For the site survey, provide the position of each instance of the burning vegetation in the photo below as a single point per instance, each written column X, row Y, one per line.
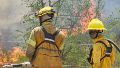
column 12, row 56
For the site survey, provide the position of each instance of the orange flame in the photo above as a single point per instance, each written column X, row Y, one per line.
column 12, row 57
column 16, row 53
column 87, row 15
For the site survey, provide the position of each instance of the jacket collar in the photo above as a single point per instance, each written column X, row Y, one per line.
column 49, row 27
column 99, row 38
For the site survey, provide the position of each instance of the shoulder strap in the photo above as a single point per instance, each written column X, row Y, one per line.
column 105, row 43
column 48, row 35
column 102, row 43
column 45, row 32
column 90, row 57
column 108, row 49
column 53, row 38
column 56, row 33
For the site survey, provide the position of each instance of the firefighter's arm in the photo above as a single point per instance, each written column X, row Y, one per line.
column 62, row 41
column 112, row 57
column 31, row 44
column 30, row 51
column 96, row 55
column 31, row 41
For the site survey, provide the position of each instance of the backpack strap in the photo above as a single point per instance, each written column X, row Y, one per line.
column 54, row 35
column 90, row 57
column 107, row 53
column 48, row 38
column 108, row 50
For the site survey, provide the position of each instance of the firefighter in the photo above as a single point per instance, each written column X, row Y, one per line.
column 45, row 42
column 102, row 54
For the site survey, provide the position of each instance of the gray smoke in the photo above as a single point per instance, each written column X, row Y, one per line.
column 11, row 13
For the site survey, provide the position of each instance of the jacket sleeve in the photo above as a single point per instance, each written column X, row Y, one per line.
column 60, row 40
column 31, row 45
column 112, row 57
column 96, row 55
column 31, row 41
column 30, row 51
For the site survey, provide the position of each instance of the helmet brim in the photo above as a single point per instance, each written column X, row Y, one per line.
column 97, row 29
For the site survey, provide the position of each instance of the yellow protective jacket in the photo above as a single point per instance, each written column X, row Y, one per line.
column 45, row 58
column 99, row 51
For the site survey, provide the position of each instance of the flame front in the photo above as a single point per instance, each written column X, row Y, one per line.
column 10, row 57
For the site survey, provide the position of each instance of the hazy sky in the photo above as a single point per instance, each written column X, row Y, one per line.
column 111, row 6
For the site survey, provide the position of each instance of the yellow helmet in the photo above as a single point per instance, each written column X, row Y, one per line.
column 45, row 10
column 96, row 24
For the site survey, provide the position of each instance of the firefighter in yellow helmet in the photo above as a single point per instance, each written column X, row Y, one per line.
column 102, row 52
column 45, row 42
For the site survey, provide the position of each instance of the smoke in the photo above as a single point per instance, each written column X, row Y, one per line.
column 11, row 13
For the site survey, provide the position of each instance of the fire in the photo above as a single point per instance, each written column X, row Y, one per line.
column 87, row 15
column 11, row 57
column 1, row 55
column 15, row 54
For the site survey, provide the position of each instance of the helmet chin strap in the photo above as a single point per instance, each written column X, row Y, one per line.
column 40, row 22
column 98, row 34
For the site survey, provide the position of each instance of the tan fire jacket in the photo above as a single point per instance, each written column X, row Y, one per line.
column 99, row 51
column 45, row 58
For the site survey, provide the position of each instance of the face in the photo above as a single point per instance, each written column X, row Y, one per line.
column 93, row 34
